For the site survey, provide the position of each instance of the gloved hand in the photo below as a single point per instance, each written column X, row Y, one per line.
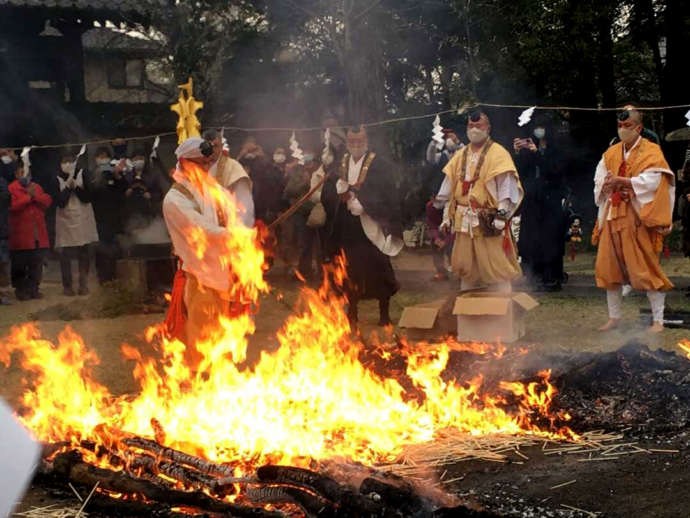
column 446, row 226
column 355, row 207
column 341, row 186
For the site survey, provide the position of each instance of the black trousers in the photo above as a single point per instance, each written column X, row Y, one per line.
column 83, row 257
column 107, row 254
column 27, row 271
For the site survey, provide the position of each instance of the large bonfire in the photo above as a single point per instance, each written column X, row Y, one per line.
column 310, row 400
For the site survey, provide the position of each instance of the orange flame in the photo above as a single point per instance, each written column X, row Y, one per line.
column 685, row 346
column 311, row 399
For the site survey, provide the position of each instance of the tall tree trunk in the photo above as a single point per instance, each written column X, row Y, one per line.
column 605, row 59
column 363, row 63
column 673, row 89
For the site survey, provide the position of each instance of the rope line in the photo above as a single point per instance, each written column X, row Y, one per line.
column 458, row 111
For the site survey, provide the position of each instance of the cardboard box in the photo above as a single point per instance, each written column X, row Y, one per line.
column 492, row 317
column 426, row 321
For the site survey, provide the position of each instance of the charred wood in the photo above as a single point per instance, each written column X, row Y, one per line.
column 71, row 466
column 206, row 467
column 311, row 504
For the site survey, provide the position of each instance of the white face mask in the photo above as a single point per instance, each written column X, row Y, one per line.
column 278, row 158
column 138, row 164
column 477, row 136
column 451, row 145
column 102, row 161
column 628, row 136
column 6, row 159
column 67, row 167
column 539, row 133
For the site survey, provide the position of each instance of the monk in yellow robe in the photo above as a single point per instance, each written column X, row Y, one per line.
column 232, row 176
column 484, row 192
column 635, row 191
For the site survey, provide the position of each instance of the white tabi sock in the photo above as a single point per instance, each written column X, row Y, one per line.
column 614, row 300
column 656, row 300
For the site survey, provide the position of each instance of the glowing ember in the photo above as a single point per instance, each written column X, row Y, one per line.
column 311, row 399
column 685, row 346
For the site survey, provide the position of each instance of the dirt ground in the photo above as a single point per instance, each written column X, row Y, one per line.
column 636, row 485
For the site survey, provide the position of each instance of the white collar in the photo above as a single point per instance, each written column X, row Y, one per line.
column 354, row 169
column 626, row 154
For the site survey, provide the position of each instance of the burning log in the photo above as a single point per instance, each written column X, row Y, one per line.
column 187, row 477
column 311, row 504
column 152, row 447
column 71, row 466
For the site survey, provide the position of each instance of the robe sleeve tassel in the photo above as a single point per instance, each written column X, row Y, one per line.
column 176, row 316
column 508, row 239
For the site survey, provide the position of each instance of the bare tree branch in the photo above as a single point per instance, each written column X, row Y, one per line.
column 373, row 5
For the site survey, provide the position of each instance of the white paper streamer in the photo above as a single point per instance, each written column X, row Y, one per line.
column 327, row 138
column 687, row 116
column 437, row 133
column 26, row 159
column 297, row 153
column 526, row 116
column 224, row 141
column 154, row 149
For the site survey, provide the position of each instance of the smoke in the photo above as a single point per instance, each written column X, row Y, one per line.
column 154, row 233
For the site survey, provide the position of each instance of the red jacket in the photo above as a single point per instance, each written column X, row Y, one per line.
column 26, row 217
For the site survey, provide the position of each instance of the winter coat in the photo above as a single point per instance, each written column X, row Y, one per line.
column 27, row 217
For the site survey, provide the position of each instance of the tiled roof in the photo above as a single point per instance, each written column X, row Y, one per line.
column 138, row 6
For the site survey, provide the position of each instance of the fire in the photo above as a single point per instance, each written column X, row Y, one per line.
column 685, row 346
column 313, row 398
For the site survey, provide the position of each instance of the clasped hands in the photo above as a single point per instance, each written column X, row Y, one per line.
column 613, row 183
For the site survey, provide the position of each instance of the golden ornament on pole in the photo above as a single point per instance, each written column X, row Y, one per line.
column 186, row 107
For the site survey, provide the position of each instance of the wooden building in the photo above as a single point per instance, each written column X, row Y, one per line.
column 69, row 74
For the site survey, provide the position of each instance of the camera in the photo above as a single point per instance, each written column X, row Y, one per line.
column 206, row 148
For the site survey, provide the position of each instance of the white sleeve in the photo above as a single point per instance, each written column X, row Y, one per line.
column 433, row 155
column 599, row 177
column 645, row 185
column 243, row 196
column 62, row 183
column 181, row 217
column 316, row 177
column 507, row 192
column 444, row 191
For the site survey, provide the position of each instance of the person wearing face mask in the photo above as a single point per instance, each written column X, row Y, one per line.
column 267, row 181
column 28, row 239
column 634, row 189
column 280, row 159
column 484, row 193
column 366, row 225
column 142, row 193
column 7, row 168
column 543, row 220
column 441, row 240
column 75, row 224
column 107, row 189
column 231, row 175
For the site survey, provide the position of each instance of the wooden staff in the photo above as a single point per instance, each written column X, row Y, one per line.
column 289, row 212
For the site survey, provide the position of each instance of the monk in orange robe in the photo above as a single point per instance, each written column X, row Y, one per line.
column 635, row 191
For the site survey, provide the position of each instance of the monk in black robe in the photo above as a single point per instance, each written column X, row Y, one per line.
column 364, row 222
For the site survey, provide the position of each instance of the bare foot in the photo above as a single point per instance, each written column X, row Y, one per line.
column 611, row 324
column 655, row 328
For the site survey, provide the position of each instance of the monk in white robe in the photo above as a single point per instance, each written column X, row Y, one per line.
column 195, row 220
